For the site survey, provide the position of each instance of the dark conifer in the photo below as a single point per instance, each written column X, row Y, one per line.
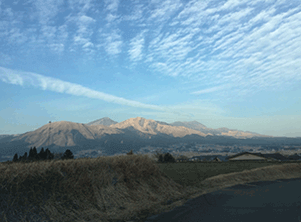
column 168, row 158
column 68, row 155
column 15, row 159
column 49, row 155
column 30, row 156
column 35, row 153
column 42, row 154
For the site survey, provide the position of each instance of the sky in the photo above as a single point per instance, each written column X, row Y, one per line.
column 234, row 64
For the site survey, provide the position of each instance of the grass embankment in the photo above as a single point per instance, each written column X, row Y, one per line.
column 119, row 188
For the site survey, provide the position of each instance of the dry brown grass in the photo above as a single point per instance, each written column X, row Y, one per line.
column 83, row 189
column 119, row 188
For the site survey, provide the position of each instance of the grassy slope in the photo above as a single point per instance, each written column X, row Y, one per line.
column 118, row 188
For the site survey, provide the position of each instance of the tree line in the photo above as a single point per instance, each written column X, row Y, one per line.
column 44, row 155
column 41, row 156
column 162, row 158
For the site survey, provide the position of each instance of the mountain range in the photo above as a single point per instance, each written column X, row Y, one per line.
column 176, row 128
column 113, row 137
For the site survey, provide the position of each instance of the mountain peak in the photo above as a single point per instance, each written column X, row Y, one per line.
column 192, row 125
column 106, row 121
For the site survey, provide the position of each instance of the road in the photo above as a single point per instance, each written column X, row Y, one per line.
column 274, row 201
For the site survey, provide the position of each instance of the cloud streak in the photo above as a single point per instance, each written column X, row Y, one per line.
column 213, row 89
column 51, row 84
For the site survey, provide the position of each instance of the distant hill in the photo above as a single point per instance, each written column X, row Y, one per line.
column 106, row 121
column 218, row 132
column 192, row 125
column 5, row 135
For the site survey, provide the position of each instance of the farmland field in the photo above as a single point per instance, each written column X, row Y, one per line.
column 193, row 173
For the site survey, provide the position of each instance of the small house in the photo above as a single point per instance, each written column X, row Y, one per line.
column 216, row 159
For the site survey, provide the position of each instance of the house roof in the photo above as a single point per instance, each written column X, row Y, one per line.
column 216, row 159
column 240, row 154
column 209, row 157
column 276, row 156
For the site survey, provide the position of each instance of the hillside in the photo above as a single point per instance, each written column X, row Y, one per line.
column 64, row 133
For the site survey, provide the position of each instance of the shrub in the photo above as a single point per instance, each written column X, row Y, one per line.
column 130, row 153
column 168, row 158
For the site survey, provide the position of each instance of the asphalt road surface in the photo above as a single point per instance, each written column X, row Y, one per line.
column 274, row 201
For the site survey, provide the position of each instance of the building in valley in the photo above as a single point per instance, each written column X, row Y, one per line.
column 247, row 156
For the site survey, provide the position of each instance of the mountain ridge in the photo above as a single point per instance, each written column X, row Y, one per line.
column 133, row 133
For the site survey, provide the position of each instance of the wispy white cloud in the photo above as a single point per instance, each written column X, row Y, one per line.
column 112, row 5
column 56, row 85
column 85, row 30
column 239, row 43
column 163, row 10
column 231, row 4
column 47, row 9
column 248, row 44
column 110, row 17
column 111, row 8
column 82, row 5
column 136, row 14
column 5, row 59
column 137, row 44
column 113, row 42
column 212, row 89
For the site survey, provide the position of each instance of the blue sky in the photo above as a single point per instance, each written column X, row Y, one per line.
column 234, row 64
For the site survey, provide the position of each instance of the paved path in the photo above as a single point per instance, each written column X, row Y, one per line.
column 273, row 201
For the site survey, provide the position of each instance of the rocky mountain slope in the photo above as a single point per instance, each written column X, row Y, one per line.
column 64, row 133
column 149, row 126
column 218, row 132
